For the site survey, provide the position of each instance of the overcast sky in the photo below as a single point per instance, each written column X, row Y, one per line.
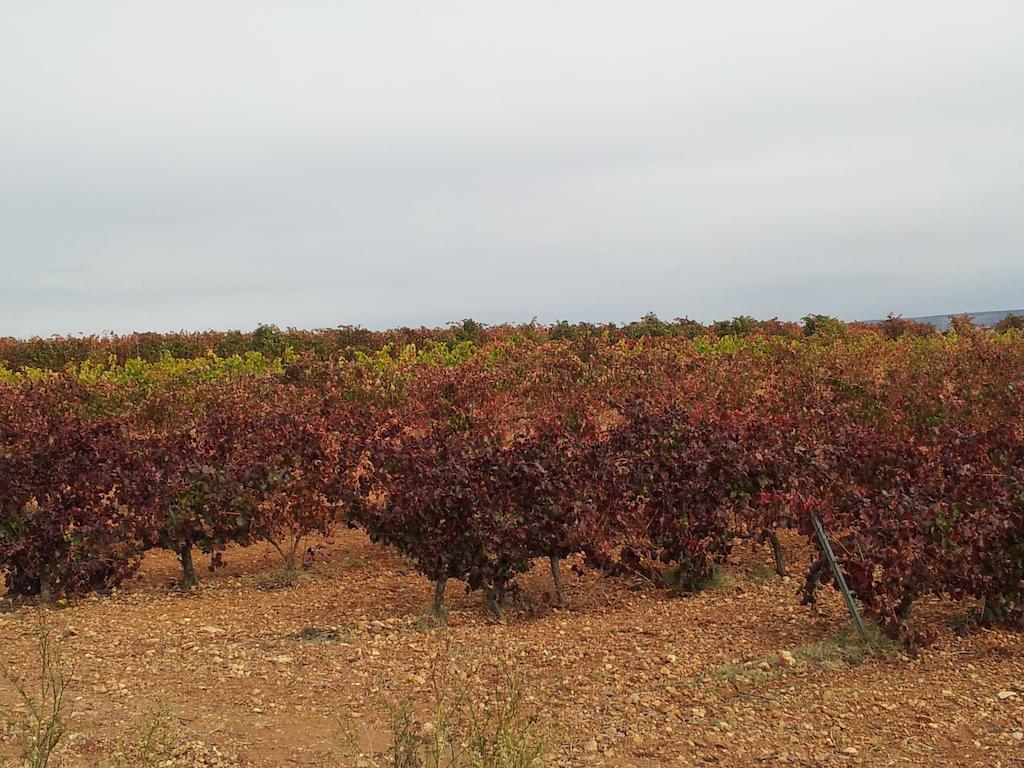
column 216, row 164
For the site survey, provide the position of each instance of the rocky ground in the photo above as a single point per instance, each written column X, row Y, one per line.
column 253, row 670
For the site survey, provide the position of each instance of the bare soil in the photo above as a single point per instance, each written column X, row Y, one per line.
column 262, row 672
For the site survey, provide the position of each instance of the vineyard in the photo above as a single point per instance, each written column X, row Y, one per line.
column 648, row 452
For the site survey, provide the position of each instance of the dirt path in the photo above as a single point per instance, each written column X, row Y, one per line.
column 271, row 675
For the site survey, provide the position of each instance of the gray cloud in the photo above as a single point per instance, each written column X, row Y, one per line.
column 198, row 164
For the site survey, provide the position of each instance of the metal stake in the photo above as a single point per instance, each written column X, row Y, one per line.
column 850, row 603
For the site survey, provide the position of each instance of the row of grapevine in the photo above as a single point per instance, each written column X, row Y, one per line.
column 57, row 352
column 647, row 455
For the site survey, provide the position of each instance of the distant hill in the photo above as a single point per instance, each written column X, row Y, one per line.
column 978, row 318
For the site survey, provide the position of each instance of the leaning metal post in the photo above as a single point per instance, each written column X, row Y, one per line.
column 850, row 604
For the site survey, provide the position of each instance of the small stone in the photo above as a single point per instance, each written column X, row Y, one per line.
column 1004, row 695
column 591, row 746
column 787, row 659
